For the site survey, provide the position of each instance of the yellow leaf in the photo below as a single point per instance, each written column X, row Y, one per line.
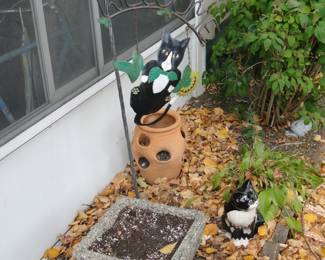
column 210, row 162
column 317, row 138
column 131, row 194
column 166, row 250
column 82, row 216
column 290, row 196
column 302, row 253
column 257, row 128
column 51, row 253
column 223, row 134
column 310, row 217
column 199, row 131
column 142, row 183
column 249, row 257
column 210, row 250
column 218, row 111
column 187, row 194
column 322, row 251
column 210, row 229
column 262, row 230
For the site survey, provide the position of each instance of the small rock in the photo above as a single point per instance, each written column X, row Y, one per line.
column 271, row 250
column 289, row 133
column 280, row 234
column 299, row 128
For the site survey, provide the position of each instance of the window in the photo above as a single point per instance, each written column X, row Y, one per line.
column 51, row 50
column 69, row 33
column 21, row 84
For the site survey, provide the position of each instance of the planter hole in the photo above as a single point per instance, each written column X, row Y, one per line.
column 144, row 140
column 163, row 156
column 143, row 162
column 183, row 134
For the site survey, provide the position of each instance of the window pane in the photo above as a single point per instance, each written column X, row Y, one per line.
column 125, row 27
column 125, row 30
column 68, row 24
column 21, row 86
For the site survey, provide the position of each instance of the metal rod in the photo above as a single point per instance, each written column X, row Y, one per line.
column 125, row 123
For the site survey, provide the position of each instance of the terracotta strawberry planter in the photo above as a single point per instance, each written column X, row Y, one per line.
column 158, row 149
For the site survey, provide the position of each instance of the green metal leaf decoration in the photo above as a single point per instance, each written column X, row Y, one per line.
column 104, row 21
column 155, row 72
column 133, row 69
column 164, row 12
column 172, row 76
column 187, row 83
column 185, row 80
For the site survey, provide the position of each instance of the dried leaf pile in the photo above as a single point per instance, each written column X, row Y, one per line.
column 314, row 222
column 211, row 137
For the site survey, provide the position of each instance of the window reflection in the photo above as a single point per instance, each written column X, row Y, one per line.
column 140, row 24
column 21, row 86
column 68, row 24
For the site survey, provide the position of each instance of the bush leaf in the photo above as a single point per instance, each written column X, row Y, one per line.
column 320, row 31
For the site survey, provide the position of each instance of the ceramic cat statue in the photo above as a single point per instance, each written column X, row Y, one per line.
column 159, row 78
column 241, row 217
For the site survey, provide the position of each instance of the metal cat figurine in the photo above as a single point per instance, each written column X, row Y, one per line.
column 159, row 78
column 241, row 218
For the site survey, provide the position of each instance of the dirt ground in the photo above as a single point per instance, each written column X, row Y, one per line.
column 213, row 137
column 304, row 147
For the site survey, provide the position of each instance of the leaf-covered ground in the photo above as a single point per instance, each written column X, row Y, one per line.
column 212, row 141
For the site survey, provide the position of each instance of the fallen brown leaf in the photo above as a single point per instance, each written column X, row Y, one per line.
column 166, row 250
column 51, row 253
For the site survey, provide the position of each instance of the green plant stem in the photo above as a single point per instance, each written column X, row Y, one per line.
column 264, row 99
column 288, row 105
column 269, row 110
column 252, row 66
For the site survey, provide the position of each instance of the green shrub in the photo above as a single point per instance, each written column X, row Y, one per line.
column 274, row 53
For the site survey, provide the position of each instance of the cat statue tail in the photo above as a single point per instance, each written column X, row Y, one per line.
column 137, row 119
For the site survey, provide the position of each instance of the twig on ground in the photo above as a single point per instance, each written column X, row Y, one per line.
column 287, row 144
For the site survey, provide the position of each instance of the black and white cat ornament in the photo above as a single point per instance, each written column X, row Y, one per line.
column 159, row 78
column 241, row 217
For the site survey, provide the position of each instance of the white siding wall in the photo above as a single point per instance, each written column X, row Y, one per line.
column 45, row 181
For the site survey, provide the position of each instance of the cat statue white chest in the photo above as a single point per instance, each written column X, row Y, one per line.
column 241, row 218
column 162, row 81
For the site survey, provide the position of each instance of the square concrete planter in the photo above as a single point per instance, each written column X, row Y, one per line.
column 186, row 249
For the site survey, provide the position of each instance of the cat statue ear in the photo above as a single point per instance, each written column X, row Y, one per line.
column 166, row 37
column 247, row 185
column 241, row 217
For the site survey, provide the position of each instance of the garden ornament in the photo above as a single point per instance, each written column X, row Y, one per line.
column 160, row 79
column 241, row 218
column 159, row 150
column 108, row 11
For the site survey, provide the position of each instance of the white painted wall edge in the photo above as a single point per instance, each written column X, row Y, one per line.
column 47, row 121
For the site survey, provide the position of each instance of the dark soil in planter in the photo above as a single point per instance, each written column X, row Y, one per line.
column 140, row 234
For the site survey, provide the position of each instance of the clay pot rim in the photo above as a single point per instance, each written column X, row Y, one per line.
column 171, row 113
